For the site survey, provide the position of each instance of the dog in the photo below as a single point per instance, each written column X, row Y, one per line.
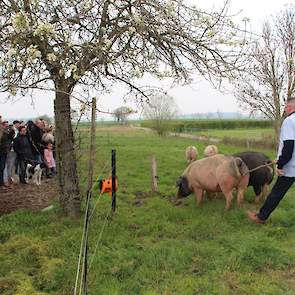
column 34, row 171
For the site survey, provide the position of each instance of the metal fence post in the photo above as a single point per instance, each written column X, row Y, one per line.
column 113, row 181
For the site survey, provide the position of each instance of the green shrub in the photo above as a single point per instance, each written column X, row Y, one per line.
column 197, row 125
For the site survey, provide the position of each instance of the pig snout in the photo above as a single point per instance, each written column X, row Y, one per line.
column 183, row 188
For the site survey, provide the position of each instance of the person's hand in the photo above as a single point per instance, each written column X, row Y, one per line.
column 280, row 172
column 274, row 161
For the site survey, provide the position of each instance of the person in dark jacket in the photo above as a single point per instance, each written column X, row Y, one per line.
column 23, row 149
column 35, row 133
column 5, row 145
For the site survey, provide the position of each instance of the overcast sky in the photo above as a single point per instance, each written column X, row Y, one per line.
column 199, row 97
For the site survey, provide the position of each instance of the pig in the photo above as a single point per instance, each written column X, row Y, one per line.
column 191, row 153
column 218, row 173
column 210, row 150
column 261, row 178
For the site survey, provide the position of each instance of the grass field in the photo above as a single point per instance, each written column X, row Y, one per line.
column 151, row 246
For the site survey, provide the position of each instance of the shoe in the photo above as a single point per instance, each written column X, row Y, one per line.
column 254, row 218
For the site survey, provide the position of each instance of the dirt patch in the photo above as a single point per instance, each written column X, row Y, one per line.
column 120, row 129
column 28, row 196
column 196, row 137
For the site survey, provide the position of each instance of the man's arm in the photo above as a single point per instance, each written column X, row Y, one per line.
column 287, row 152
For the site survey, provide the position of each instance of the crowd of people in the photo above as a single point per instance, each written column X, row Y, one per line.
column 22, row 143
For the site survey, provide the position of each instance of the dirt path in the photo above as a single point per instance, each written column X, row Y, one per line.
column 196, row 137
column 186, row 135
column 28, row 196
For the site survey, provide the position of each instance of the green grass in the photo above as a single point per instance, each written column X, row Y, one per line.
column 150, row 247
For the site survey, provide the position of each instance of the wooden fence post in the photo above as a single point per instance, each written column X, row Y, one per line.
column 248, row 142
column 84, row 276
column 92, row 145
column 154, row 174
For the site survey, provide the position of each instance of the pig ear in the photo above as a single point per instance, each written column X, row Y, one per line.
column 179, row 181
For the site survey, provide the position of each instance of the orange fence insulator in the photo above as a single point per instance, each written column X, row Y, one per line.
column 105, row 185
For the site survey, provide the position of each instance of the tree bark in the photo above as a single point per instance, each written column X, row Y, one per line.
column 278, row 117
column 277, row 128
column 69, row 195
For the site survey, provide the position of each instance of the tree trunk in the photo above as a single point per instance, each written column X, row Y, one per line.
column 278, row 117
column 69, row 195
column 277, row 128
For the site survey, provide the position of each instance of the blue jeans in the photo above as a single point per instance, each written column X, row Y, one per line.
column 2, row 167
column 10, row 166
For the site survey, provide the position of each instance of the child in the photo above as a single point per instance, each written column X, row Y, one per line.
column 49, row 160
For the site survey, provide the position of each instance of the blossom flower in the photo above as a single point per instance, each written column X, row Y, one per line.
column 73, row 68
column 51, row 57
column 20, row 22
column 33, row 53
column 11, row 52
column 44, row 29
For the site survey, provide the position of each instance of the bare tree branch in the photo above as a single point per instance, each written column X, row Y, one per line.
column 269, row 79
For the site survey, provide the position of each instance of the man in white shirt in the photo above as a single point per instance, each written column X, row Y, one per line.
column 285, row 166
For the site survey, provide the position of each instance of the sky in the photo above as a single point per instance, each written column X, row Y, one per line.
column 199, row 97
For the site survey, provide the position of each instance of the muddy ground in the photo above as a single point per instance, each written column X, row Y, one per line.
column 29, row 196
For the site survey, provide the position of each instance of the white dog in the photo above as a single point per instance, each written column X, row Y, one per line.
column 34, row 172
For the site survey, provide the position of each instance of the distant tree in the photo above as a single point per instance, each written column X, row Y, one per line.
column 219, row 114
column 270, row 78
column 160, row 110
column 121, row 114
column 46, row 118
column 93, row 43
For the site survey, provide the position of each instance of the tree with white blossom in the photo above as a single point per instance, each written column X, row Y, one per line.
column 94, row 43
